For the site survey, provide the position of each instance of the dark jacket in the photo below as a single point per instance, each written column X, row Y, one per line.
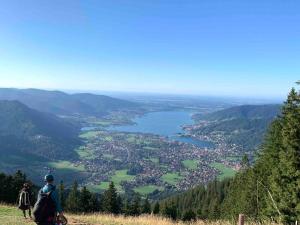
column 54, row 195
column 24, row 199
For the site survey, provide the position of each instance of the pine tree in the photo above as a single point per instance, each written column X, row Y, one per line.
column 61, row 194
column 170, row 211
column 72, row 202
column 136, row 206
column 146, row 207
column 267, row 163
column 95, row 203
column 285, row 180
column 120, row 204
column 85, row 203
column 245, row 162
column 189, row 215
column 127, row 208
column 156, row 208
column 110, row 202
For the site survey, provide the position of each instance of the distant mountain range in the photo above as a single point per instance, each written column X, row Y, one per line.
column 26, row 130
column 61, row 103
column 243, row 125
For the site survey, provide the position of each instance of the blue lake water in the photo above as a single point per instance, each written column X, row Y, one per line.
column 166, row 123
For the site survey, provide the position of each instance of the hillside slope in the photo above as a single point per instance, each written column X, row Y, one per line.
column 242, row 125
column 24, row 130
column 61, row 103
column 243, row 111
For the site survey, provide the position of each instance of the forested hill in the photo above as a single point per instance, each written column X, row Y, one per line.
column 26, row 130
column 242, row 125
column 61, row 103
column 243, row 112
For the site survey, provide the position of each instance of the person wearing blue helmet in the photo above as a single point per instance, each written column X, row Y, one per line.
column 49, row 188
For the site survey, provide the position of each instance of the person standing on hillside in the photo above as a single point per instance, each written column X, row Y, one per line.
column 24, row 200
column 48, row 205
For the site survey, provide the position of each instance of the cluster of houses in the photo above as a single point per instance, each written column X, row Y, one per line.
column 149, row 157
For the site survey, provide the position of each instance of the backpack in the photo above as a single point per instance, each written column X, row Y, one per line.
column 45, row 208
column 24, row 201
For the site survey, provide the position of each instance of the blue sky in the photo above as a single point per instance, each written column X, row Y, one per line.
column 203, row 47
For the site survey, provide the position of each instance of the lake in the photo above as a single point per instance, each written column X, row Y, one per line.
column 166, row 123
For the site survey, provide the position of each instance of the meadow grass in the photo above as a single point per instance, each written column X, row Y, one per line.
column 133, row 139
column 117, row 178
column 234, row 158
column 108, row 138
column 84, row 153
column 190, row 164
column 150, row 148
column 100, row 187
column 63, row 164
column 89, row 134
column 147, row 189
column 103, row 123
column 121, row 175
column 108, row 156
column 225, row 171
column 10, row 215
column 104, row 219
column 171, row 178
column 155, row 160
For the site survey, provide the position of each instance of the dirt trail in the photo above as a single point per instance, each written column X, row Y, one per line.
column 74, row 222
column 77, row 222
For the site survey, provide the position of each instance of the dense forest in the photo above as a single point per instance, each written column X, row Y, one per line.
column 267, row 190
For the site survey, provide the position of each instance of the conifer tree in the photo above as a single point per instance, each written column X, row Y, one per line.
column 146, row 207
column 285, row 179
column 156, row 208
column 127, row 207
column 85, row 201
column 170, row 210
column 110, row 202
column 135, row 208
column 245, row 162
column 120, row 204
column 61, row 194
column 72, row 202
column 189, row 215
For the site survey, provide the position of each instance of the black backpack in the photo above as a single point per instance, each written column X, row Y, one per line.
column 45, row 208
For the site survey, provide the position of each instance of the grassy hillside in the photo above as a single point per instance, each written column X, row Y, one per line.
column 12, row 216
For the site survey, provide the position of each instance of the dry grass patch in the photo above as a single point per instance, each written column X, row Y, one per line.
column 10, row 215
column 104, row 219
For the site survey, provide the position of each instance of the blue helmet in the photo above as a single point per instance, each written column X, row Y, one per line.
column 49, row 178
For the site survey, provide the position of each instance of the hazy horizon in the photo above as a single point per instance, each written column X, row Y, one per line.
column 137, row 95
